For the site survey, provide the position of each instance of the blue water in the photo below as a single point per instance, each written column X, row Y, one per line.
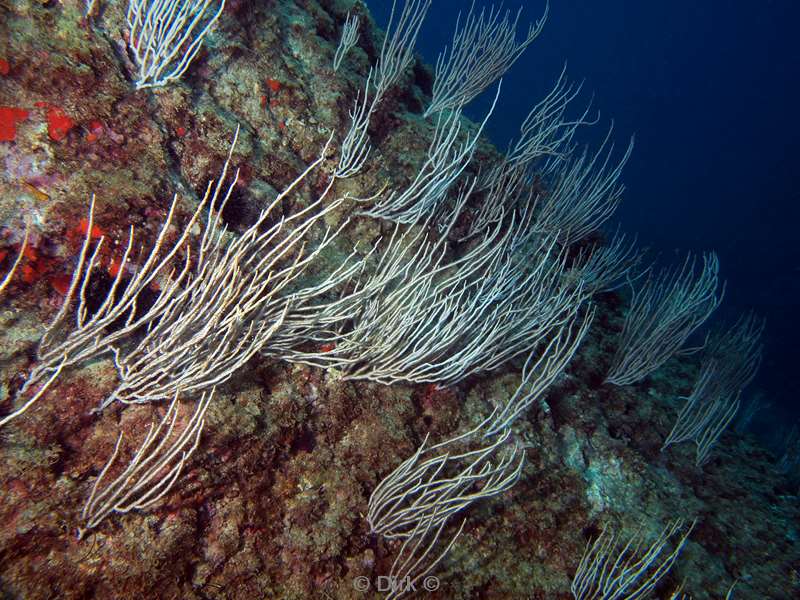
column 711, row 90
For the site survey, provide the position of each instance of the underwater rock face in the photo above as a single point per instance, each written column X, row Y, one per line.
column 273, row 502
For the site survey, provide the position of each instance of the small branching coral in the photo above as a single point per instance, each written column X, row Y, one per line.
column 584, row 193
column 347, row 41
column 480, row 54
column 515, row 184
column 397, row 53
column 418, row 555
column 447, row 159
column 547, row 131
column 397, row 50
column 789, row 450
column 541, row 369
column 664, row 312
column 732, row 358
column 153, row 469
column 441, row 480
column 166, row 35
column 705, row 414
column 679, row 594
column 611, row 570
column 605, row 267
column 508, row 188
column 10, row 274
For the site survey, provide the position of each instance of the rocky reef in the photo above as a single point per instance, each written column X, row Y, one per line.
column 273, row 503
